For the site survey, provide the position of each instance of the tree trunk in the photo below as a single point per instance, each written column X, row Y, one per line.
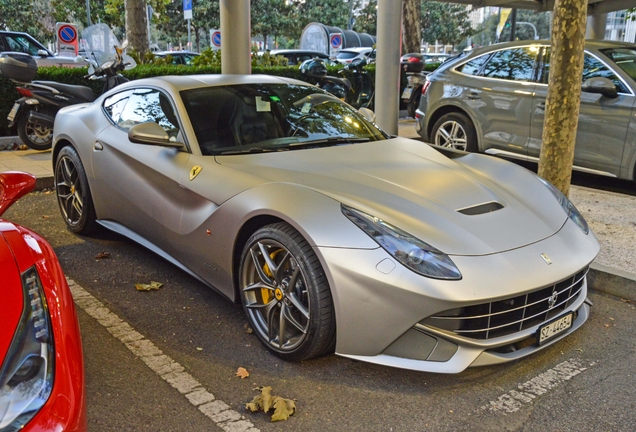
column 411, row 26
column 136, row 25
column 564, row 93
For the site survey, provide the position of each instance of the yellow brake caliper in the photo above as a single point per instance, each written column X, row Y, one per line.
column 265, row 293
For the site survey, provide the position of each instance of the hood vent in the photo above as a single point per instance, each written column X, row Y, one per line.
column 481, row 208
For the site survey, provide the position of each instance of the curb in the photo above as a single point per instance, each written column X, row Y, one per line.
column 611, row 281
column 42, row 183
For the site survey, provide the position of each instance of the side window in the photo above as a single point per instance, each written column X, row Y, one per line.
column 592, row 68
column 148, row 105
column 474, row 66
column 513, row 64
column 114, row 105
column 22, row 44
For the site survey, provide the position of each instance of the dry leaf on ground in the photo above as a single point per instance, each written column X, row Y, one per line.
column 242, row 372
column 283, row 408
column 152, row 286
column 103, row 255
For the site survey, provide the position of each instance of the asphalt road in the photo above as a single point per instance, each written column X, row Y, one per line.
column 583, row 383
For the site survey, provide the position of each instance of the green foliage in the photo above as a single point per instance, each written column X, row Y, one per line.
column 271, row 17
column 208, row 57
column 367, row 20
column 268, row 60
column 27, row 16
column 446, row 23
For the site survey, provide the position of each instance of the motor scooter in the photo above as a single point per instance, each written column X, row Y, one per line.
column 315, row 72
column 34, row 113
column 363, row 89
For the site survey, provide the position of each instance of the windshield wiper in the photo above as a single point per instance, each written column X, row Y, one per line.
column 326, row 142
column 251, row 150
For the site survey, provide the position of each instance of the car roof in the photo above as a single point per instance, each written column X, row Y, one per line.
column 357, row 49
column 177, row 83
column 589, row 43
column 174, row 52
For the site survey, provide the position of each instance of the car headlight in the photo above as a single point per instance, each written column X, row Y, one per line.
column 567, row 205
column 26, row 377
column 411, row 252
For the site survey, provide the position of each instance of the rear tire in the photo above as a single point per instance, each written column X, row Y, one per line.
column 34, row 136
column 73, row 194
column 455, row 130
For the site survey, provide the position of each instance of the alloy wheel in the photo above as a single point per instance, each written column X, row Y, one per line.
column 275, row 295
column 69, row 192
column 451, row 134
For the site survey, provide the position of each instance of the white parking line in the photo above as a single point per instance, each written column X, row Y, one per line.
column 513, row 400
column 171, row 371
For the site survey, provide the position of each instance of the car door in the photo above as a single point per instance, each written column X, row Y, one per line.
column 603, row 121
column 138, row 184
column 497, row 90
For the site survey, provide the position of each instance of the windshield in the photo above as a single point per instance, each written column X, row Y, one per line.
column 272, row 117
column 625, row 58
column 98, row 41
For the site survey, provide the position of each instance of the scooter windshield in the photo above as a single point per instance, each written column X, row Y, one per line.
column 99, row 43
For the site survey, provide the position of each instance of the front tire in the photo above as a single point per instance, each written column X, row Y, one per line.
column 456, row 131
column 73, row 194
column 34, row 136
column 414, row 102
column 285, row 294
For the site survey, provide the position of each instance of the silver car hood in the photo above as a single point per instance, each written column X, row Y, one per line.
column 421, row 191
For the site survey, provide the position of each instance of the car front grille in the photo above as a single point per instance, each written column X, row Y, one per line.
column 511, row 315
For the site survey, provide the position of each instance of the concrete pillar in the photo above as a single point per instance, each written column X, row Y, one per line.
column 387, row 65
column 235, row 37
column 596, row 26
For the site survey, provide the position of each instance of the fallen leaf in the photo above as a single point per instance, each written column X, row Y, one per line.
column 103, row 255
column 199, row 349
column 45, row 217
column 607, row 325
column 152, row 286
column 283, row 408
column 248, row 329
column 242, row 372
column 626, row 301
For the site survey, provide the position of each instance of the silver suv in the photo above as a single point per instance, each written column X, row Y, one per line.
column 492, row 100
column 25, row 43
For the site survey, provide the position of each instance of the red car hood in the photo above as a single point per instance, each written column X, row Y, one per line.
column 11, row 294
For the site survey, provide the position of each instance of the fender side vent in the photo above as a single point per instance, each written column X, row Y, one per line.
column 481, row 208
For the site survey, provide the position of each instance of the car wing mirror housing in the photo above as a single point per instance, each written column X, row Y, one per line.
column 43, row 53
column 368, row 114
column 600, row 85
column 151, row 133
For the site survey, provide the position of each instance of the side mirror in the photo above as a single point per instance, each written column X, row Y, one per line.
column 151, row 133
column 601, row 86
column 13, row 186
column 368, row 114
column 43, row 53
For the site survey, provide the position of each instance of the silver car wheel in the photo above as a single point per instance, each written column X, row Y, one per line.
column 275, row 293
column 451, row 134
column 73, row 194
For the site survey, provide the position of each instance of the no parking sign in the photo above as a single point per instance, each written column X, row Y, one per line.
column 335, row 43
column 215, row 39
column 66, row 39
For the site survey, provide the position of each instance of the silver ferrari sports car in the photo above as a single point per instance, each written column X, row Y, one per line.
column 332, row 234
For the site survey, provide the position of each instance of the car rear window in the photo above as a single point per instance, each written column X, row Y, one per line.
column 346, row 54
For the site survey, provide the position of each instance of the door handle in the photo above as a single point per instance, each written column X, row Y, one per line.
column 474, row 95
column 541, row 105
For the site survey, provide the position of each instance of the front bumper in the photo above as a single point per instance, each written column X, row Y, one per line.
column 378, row 302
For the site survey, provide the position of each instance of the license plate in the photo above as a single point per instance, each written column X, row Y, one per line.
column 406, row 94
column 13, row 112
column 551, row 329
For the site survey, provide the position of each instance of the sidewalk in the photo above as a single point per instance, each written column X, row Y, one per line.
column 611, row 216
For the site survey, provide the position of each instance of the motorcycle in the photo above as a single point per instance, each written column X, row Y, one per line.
column 34, row 113
column 315, row 72
column 363, row 90
column 413, row 65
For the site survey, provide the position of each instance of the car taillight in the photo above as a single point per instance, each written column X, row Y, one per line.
column 24, row 91
column 414, row 60
column 425, row 86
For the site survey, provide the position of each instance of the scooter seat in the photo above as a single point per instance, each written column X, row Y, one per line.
column 339, row 81
column 81, row 92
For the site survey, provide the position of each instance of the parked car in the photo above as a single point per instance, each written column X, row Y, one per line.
column 25, row 43
column 41, row 366
column 333, row 235
column 178, row 57
column 295, row 57
column 348, row 55
column 492, row 100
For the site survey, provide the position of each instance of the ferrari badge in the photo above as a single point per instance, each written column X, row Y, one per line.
column 195, row 171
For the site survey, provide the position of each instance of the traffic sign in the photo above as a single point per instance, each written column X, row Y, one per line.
column 335, row 43
column 215, row 39
column 67, row 45
column 187, row 9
